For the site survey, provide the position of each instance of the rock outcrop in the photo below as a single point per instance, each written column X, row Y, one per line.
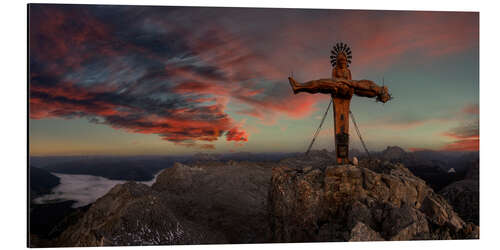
column 349, row 203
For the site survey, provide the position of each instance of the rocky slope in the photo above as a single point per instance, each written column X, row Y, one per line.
column 463, row 195
column 133, row 214
column 350, row 203
column 217, row 202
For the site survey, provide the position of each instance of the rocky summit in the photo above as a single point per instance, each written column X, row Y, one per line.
column 350, row 203
column 299, row 199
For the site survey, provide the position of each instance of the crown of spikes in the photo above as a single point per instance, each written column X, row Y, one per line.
column 340, row 48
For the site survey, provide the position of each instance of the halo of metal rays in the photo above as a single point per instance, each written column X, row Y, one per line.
column 340, row 48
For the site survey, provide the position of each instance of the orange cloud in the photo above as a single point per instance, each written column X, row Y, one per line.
column 471, row 144
column 466, row 138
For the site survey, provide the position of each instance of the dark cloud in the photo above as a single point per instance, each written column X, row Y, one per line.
column 86, row 63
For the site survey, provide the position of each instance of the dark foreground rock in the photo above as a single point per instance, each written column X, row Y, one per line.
column 464, row 195
column 349, row 203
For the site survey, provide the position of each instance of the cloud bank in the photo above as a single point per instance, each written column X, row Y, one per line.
column 84, row 189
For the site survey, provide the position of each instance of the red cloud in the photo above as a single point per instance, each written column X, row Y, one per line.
column 179, row 125
column 68, row 41
column 242, row 64
column 463, row 145
column 418, row 149
column 48, row 26
column 235, row 134
column 466, row 138
column 296, row 107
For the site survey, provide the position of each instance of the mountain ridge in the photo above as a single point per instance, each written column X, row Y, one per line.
column 293, row 200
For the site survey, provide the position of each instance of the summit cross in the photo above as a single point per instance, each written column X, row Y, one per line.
column 341, row 87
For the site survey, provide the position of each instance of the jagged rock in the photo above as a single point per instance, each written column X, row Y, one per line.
column 440, row 213
column 330, row 204
column 405, row 222
column 361, row 232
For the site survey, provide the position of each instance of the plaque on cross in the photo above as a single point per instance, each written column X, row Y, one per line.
column 341, row 87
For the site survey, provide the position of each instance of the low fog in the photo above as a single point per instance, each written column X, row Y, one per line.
column 84, row 189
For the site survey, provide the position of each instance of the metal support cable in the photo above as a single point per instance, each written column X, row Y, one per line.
column 319, row 128
column 359, row 134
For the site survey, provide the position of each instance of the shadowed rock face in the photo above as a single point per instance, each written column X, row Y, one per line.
column 348, row 203
column 464, row 195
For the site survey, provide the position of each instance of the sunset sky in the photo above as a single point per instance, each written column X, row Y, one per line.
column 135, row 80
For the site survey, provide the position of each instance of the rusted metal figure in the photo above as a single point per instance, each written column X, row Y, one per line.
column 341, row 87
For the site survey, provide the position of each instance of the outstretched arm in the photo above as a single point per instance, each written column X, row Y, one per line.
column 325, row 86
column 368, row 88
